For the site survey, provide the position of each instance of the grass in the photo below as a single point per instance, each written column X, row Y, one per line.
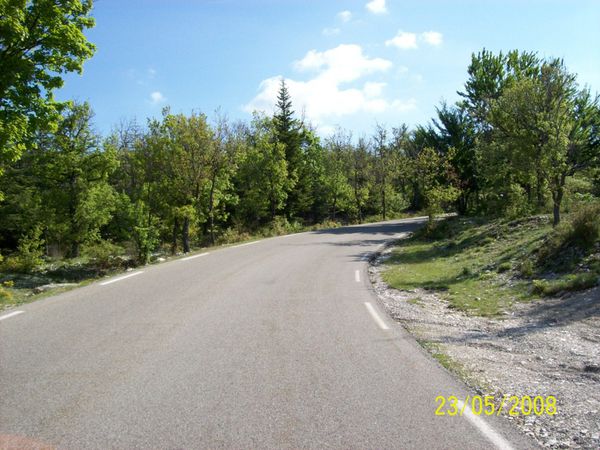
column 481, row 267
column 570, row 282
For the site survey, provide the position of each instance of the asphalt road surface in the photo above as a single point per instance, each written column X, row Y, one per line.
column 279, row 343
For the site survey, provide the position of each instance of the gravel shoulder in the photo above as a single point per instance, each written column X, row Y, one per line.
column 546, row 347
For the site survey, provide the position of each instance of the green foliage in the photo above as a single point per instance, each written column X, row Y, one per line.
column 5, row 296
column 572, row 282
column 523, row 139
column 263, row 173
column 483, row 266
column 29, row 255
column 145, row 232
column 504, row 267
column 232, row 236
column 572, row 239
column 432, row 171
column 526, row 268
column 102, row 253
column 40, row 40
column 584, row 229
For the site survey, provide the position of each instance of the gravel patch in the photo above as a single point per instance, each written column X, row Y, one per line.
column 546, row 347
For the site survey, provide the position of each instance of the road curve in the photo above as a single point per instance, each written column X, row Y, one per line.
column 276, row 344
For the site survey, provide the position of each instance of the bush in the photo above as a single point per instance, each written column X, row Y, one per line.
column 232, row 235
column 577, row 234
column 5, row 296
column 326, row 224
column 577, row 282
column 102, row 253
column 439, row 229
column 526, row 268
column 504, row 267
column 29, row 253
column 585, row 225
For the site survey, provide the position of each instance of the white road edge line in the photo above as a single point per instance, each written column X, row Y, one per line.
column 187, row 258
column 357, row 276
column 12, row 314
column 376, row 317
column 243, row 245
column 484, row 428
column 114, row 280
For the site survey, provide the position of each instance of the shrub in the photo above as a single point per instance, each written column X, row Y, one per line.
column 102, row 253
column 504, row 267
column 146, row 239
column 579, row 233
column 232, row 235
column 576, row 282
column 442, row 229
column 5, row 296
column 29, row 253
column 526, row 268
column 585, row 225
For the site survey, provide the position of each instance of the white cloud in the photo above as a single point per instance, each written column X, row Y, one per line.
column 330, row 31
column 403, row 40
column 345, row 16
column 373, row 89
column 156, row 98
column 377, row 6
column 432, row 38
column 327, row 95
column 343, row 63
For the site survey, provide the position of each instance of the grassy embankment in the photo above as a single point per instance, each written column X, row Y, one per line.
column 483, row 266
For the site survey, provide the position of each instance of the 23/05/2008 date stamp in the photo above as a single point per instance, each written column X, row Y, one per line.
column 488, row 405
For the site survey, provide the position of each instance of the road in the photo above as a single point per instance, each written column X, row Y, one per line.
column 279, row 343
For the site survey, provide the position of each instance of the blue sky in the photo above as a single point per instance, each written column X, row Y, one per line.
column 348, row 63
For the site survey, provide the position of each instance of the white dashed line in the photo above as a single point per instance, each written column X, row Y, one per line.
column 357, row 276
column 243, row 245
column 12, row 314
column 376, row 317
column 114, row 280
column 187, row 258
column 484, row 428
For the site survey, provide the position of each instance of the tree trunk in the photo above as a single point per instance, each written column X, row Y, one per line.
column 185, row 235
column 74, row 249
column 211, row 211
column 539, row 189
column 334, row 207
column 557, row 200
column 174, row 237
column 383, row 202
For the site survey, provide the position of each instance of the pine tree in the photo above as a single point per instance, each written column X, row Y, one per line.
column 289, row 132
column 284, row 114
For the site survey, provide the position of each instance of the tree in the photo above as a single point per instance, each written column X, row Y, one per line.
column 291, row 134
column 489, row 75
column 78, row 169
column 40, row 40
column 61, row 184
column 454, row 128
column 222, row 164
column 434, row 173
column 338, row 192
column 263, row 173
column 545, row 125
column 308, row 194
column 190, row 148
column 361, row 180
